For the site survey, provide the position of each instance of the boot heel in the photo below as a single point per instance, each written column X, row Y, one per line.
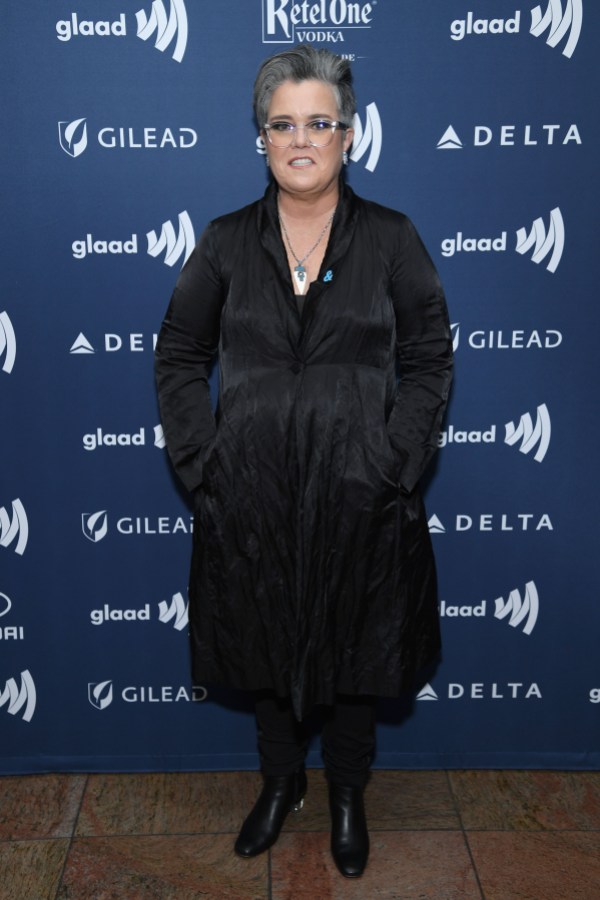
column 296, row 807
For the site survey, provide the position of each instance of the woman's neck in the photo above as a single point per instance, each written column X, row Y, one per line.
column 299, row 208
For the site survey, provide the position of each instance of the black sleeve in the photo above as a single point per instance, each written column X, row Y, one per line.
column 187, row 343
column 424, row 349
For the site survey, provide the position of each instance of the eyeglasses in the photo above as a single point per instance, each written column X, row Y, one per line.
column 318, row 132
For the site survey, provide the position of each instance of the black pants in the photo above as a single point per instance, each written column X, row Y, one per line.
column 348, row 738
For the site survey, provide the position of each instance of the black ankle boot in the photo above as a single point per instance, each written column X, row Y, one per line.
column 349, row 835
column 280, row 795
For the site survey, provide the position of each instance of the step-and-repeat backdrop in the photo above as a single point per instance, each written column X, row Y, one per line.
column 128, row 126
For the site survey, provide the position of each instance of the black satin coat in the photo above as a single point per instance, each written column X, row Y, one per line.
column 312, row 569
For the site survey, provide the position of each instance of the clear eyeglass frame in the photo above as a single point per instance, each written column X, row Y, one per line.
column 318, row 132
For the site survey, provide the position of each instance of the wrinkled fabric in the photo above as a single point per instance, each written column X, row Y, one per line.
column 312, row 569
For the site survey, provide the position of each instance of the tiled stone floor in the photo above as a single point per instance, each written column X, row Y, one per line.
column 434, row 836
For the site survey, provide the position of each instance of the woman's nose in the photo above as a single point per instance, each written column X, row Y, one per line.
column 300, row 141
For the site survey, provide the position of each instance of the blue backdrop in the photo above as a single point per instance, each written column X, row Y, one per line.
column 128, row 126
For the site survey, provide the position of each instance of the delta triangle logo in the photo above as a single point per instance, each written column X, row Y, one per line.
column 427, row 693
column 435, row 526
column 450, row 140
column 81, row 345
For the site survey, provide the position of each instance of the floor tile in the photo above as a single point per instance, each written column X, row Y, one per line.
column 167, row 868
column 30, row 870
column 403, row 800
column 410, row 800
column 167, row 803
column 39, row 806
column 405, row 865
column 527, row 801
column 537, row 866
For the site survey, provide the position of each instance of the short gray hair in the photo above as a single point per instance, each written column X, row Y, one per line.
column 304, row 63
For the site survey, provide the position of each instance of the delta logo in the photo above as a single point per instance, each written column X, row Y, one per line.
column 313, row 21
column 492, row 522
column 173, row 244
column 529, row 437
column 559, row 23
column 541, row 243
column 550, row 135
column 168, row 29
column 483, row 690
column 134, row 342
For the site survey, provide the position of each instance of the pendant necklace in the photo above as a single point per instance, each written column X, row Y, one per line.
column 299, row 271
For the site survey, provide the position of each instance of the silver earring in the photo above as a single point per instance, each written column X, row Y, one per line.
column 345, row 157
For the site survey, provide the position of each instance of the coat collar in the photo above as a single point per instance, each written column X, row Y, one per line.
column 342, row 232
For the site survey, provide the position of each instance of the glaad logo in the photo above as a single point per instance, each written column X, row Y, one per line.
column 495, row 523
column 371, row 136
column 559, row 23
column 8, row 343
column 511, row 690
column 531, row 436
column 517, row 339
column 504, row 136
column 554, row 20
column 73, row 137
column 522, row 611
column 101, row 438
column 134, row 342
column 15, row 528
column 19, row 697
column 167, row 27
column 552, row 241
column 174, row 244
column 100, row 694
column 177, row 610
column 320, row 21
column 94, row 525
column 175, row 26
column 543, row 242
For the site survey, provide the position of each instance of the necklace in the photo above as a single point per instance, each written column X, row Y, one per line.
column 299, row 272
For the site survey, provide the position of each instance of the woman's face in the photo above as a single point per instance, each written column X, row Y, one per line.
column 302, row 169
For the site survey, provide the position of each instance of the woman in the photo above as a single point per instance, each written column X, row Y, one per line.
column 312, row 578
